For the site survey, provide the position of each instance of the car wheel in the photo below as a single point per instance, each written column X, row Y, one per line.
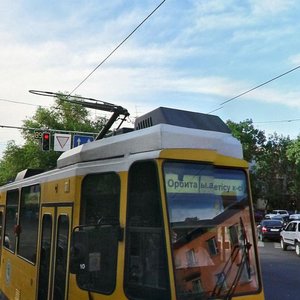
column 283, row 245
column 297, row 248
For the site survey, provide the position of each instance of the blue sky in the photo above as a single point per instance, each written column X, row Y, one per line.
column 191, row 55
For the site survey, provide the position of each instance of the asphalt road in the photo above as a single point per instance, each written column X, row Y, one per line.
column 280, row 271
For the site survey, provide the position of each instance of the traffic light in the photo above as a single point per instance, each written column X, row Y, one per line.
column 46, row 141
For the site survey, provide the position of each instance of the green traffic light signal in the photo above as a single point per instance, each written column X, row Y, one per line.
column 46, row 141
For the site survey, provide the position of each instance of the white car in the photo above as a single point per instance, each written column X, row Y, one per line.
column 290, row 236
column 275, row 212
column 295, row 217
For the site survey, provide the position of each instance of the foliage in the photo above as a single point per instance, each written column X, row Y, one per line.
column 252, row 139
column 62, row 115
column 293, row 154
column 272, row 171
column 293, row 151
column 17, row 158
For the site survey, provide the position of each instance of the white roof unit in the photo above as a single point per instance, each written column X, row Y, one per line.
column 157, row 137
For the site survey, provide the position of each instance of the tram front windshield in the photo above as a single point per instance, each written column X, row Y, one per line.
column 211, row 231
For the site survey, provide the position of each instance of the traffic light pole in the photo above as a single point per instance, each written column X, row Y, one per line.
column 48, row 129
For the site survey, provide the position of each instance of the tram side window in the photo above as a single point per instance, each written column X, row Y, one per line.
column 146, row 275
column 100, row 198
column 28, row 221
column 100, row 203
column 45, row 254
column 61, row 257
column 11, row 217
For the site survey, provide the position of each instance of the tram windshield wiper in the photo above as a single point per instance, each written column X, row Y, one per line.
column 243, row 265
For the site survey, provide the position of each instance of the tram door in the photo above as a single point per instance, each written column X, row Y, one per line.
column 54, row 236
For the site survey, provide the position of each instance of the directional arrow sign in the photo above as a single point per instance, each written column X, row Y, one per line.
column 62, row 142
column 81, row 139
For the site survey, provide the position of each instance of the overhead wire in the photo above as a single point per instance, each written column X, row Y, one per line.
column 128, row 36
column 277, row 121
column 254, row 88
column 101, row 63
column 260, row 85
column 116, row 48
column 20, row 102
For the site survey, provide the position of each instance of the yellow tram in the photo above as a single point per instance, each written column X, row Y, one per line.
column 161, row 212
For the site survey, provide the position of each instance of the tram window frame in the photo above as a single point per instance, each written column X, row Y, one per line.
column 29, row 222
column 11, row 219
column 105, row 238
column 146, row 264
column 61, row 256
column 45, row 256
column 1, row 232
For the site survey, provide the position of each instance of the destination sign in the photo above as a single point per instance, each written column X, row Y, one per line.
column 204, row 185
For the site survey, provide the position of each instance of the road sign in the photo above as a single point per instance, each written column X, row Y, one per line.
column 62, row 142
column 81, row 139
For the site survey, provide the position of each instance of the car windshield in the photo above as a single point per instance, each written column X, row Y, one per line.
column 211, row 233
column 282, row 212
column 278, row 217
column 295, row 216
column 272, row 223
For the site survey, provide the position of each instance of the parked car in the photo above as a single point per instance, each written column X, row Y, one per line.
column 269, row 229
column 290, row 236
column 275, row 212
column 294, row 217
column 285, row 219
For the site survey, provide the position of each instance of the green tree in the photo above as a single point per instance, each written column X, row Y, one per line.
column 274, row 173
column 271, row 172
column 62, row 115
column 293, row 155
column 251, row 139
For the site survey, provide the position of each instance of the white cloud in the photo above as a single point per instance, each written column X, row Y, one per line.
column 265, row 7
column 295, row 59
column 263, row 35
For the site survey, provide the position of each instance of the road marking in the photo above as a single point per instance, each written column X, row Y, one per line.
column 260, row 244
column 277, row 245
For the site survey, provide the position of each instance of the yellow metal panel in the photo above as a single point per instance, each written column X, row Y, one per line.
column 62, row 190
column 167, row 230
column 259, row 296
column 209, row 156
column 18, row 275
column 2, row 198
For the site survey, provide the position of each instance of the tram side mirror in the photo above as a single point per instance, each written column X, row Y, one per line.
column 79, row 252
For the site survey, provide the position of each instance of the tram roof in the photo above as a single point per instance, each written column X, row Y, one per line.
column 158, row 137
